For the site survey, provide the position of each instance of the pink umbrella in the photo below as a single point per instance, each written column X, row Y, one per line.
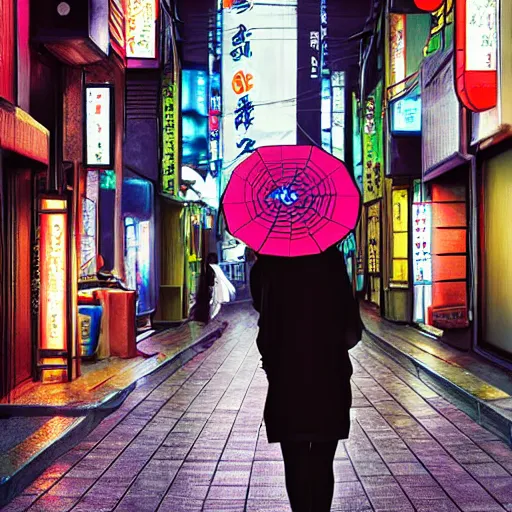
column 291, row 201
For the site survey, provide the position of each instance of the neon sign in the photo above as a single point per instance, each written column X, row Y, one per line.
column 372, row 141
column 141, row 18
column 53, row 250
column 170, row 137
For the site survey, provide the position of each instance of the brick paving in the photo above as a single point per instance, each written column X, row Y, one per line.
column 194, row 441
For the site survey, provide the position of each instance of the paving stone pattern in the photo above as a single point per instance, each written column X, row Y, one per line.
column 194, row 441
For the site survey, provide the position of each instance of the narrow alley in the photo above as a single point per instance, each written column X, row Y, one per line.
column 194, row 441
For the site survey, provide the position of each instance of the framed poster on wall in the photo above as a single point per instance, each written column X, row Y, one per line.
column 99, row 125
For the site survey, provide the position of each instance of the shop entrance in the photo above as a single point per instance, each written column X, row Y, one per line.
column 440, row 255
column 496, row 244
column 19, row 319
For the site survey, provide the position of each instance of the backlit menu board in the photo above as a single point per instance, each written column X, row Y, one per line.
column 98, row 119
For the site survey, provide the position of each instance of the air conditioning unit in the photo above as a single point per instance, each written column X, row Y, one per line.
column 75, row 31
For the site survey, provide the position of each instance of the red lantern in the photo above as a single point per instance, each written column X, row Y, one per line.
column 476, row 64
column 428, row 5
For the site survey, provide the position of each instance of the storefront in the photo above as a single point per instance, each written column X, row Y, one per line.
column 403, row 167
column 495, row 333
column 139, row 237
column 443, row 287
column 24, row 158
column 491, row 141
column 373, row 188
column 171, row 261
column 406, row 38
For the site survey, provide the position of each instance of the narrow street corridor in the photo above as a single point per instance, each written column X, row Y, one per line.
column 194, row 441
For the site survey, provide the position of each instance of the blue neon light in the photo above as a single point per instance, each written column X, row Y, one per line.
column 285, row 195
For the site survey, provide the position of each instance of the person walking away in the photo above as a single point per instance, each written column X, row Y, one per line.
column 308, row 320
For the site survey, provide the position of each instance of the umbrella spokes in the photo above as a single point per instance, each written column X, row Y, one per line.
column 291, row 201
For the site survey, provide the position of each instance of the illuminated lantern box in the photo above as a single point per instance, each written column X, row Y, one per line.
column 54, row 336
column 75, row 31
column 141, row 31
column 476, row 53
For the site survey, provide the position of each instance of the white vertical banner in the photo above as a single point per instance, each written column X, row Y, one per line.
column 259, row 78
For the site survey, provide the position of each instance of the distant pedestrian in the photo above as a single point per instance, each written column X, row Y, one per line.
column 309, row 319
column 214, row 290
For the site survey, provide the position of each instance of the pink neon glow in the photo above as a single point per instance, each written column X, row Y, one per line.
column 291, row 201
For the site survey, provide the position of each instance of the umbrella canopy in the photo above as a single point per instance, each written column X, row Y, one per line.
column 291, row 201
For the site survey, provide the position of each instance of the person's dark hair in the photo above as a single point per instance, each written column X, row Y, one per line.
column 212, row 258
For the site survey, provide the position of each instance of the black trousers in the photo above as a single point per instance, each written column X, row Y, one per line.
column 309, row 474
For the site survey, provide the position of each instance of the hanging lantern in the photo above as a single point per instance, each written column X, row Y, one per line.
column 428, row 5
column 476, row 26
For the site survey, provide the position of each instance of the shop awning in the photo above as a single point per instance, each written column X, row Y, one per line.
column 22, row 134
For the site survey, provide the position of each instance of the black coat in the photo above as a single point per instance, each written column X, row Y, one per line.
column 306, row 306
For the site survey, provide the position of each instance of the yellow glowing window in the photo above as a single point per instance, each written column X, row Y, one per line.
column 400, row 238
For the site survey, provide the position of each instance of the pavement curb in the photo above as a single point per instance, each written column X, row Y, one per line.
column 25, row 472
column 483, row 412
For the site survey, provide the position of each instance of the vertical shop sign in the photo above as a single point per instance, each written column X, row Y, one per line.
column 326, row 105
column 373, row 240
column 314, row 46
column 481, row 37
column 357, row 144
column 372, row 142
column 259, row 94
column 170, row 136
column 422, row 252
column 98, row 122
column 476, row 55
column 338, row 114
column 53, row 250
column 324, row 48
column 397, row 49
column 400, row 227
column 141, row 17
column 215, row 92
column 214, row 116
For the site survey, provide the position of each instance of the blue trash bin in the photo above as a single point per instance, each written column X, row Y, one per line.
column 89, row 321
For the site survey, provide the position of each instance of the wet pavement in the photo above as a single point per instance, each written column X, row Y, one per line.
column 103, row 379
column 194, row 441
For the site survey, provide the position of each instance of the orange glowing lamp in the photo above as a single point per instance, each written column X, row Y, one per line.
column 53, row 247
column 428, row 5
